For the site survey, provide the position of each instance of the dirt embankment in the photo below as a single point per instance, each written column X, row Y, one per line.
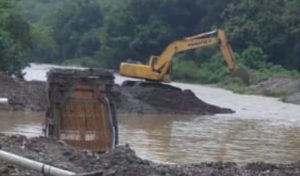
column 152, row 98
column 286, row 88
column 22, row 95
column 121, row 161
column 155, row 98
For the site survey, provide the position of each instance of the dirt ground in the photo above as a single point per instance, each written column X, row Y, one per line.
column 155, row 98
column 138, row 99
column 22, row 95
column 122, row 161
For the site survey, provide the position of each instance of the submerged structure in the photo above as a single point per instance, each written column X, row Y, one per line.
column 79, row 108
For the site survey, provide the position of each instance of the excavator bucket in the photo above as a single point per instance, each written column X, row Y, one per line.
column 242, row 74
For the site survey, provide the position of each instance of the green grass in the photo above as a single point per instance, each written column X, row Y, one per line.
column 276, row 92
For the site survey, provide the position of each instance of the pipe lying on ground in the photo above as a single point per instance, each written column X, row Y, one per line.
column 31, row 164
column 3, row 100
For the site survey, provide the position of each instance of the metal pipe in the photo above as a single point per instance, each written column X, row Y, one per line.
column 3, row 100
column 31, row 164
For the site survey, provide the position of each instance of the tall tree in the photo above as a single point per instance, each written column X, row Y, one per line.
column 75, row 27
column 14, row 40
column 269, row 25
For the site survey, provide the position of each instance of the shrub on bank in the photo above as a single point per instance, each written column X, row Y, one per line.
column 214, row 71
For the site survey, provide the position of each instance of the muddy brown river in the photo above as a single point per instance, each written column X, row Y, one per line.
column 262, row 129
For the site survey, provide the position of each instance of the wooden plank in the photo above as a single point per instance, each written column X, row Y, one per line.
column 84, row 123
column 77, row 111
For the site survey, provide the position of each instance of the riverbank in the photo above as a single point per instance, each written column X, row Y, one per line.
column 121, row 161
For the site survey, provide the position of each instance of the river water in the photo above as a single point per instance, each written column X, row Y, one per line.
column 262, row 129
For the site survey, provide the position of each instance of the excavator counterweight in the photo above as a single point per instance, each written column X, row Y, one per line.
column 158, row 67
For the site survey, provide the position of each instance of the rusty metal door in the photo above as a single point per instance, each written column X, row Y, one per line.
column 85, row 119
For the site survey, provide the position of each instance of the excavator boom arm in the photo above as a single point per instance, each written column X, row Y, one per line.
column 193, row 42
column 158, row 67
column 164, row 60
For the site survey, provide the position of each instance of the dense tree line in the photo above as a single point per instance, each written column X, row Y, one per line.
column 15, row 41
column 106, row 32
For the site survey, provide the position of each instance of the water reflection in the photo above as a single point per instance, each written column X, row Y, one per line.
column 211, row 138
column 150, row 135
column 25, row 123
column 189, row 139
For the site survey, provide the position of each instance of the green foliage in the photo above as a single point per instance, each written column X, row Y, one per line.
column 253, row 57
column 263, row 33
column 236, row 85
column 272, row 26
column 15, row 41
column 44, row 47
column 211, row 71
column 185, row 70
column 74, row 32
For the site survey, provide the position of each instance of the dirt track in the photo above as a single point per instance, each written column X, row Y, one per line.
column 122, row 161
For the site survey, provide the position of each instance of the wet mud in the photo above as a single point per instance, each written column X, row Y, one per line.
column 121, row 161
column 157, row 98
column 22, row 95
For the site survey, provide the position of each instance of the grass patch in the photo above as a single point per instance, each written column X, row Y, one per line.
column 276, row 92
column 215, row 72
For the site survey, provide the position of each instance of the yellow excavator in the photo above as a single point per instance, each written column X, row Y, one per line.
column 158, row 67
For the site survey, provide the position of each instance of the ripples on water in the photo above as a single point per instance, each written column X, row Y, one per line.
column 24, row 123
column 183, row 139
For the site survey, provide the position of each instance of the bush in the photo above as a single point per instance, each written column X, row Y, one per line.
column 185, row 70
column 253, row 57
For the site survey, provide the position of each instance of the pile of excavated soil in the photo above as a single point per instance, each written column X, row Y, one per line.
column 152, row 98
column 157, row 98
column 22, row 95
column 122, row 161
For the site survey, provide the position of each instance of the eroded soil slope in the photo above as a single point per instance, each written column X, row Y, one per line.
column 160, row 98
column 21, row 94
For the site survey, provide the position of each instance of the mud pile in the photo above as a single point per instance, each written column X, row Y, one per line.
column 140, row 98
column 22, row 95
column 121, row 161
column 157, row 98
